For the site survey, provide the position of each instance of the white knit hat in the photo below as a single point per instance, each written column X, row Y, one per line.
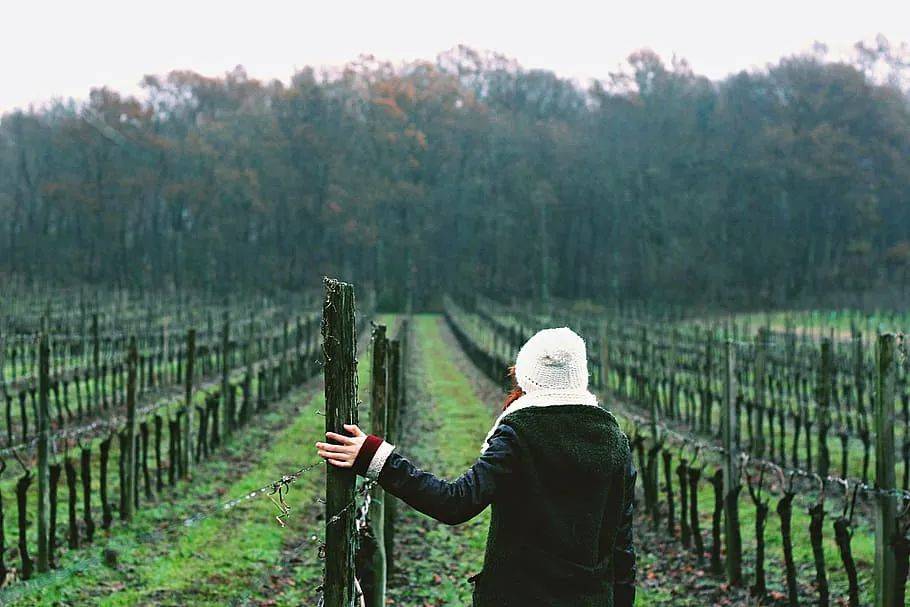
column 551, row 369
column 554, row 359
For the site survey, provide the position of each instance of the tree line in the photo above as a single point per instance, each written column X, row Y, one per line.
column 472, row 174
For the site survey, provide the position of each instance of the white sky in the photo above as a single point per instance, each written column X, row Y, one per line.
column 62, row 48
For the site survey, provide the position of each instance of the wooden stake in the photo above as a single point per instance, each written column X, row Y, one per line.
column 43, row 449
column 130, row 466
column 730, row 425
column 761, row 380
column 339, row 345
column 826, row 372
column 392, row 405
column 885, row 571
column 376, row 596
column 227, row 413
column 188, row 395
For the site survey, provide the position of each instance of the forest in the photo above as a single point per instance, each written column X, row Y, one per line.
column 780, row 186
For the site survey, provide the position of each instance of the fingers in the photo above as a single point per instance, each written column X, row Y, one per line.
column 344, row 440
column 343, row 454
column 354, row 429
column 332, row 456
column 336, row 448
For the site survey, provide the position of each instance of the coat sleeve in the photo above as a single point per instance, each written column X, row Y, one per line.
column 624, row 552
column 453, row 502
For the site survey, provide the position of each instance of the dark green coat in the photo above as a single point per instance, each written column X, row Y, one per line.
column 560, row 481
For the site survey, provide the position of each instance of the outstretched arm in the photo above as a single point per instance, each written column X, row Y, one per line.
column 450, row 502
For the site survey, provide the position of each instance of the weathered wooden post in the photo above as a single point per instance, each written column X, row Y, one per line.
column 96, row 361
column 130, row 467
column 885, row 571
column 43, row 449
column 761, row 380
column 604, row 357
column 824, row 406
column 730, row 425
column 227, row 412
column 283, row 371
column 672, row 401
column 340, row 369
column 188, row 397
column 651, row 395
column 392, row 406
column 378, row 395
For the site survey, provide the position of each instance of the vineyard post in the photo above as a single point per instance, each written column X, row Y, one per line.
column 392, row 427
column 732, row 538
column 644, row 369
column 227, row 413
column 248, row 350
column 651, row 395
column 672, row 401
column 283, row 373
column 705, row 398
column 130, row 468
column 858, row 375
column 761, row 371
column 824, row 405
column 886, row 508
column 339, row 345
column 43, row 449
column 96, row 355
column 188, row 394
column 378, row 394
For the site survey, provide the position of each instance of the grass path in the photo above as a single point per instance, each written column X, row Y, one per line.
column 448, row 422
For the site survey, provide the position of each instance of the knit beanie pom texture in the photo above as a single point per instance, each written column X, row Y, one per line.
column 552, row 360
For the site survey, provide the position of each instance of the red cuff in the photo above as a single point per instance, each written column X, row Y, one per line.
column 366, row 453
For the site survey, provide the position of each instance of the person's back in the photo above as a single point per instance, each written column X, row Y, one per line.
column 555, row 524
column 556, row 469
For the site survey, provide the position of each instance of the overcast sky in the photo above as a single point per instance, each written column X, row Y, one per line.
column 63, row 48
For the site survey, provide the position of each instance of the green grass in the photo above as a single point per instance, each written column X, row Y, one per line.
column 453, row 420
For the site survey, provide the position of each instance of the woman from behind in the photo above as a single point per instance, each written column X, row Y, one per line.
column 557, row 471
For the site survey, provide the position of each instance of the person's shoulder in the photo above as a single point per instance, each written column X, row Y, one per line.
column 592, row 416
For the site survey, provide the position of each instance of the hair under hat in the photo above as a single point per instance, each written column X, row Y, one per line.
column 552, row 369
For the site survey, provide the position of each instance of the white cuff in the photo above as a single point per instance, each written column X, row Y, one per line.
column 378, row 461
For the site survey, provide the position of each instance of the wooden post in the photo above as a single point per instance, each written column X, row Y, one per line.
column 130, row 467
column 43, row 449
column 672, row 363
column 283, row 372
column 96, row 360
column 378, row 394
column 248, row 350
column 824, row 406
column 340, row 369
column 227, row 412
column 885, row 571
column 705, row 412
column 730, row 425
column 761, row 381
column 391, row 505
column 647, row 377
column 188, row 395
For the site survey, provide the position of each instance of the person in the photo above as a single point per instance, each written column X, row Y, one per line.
column 558, row 472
